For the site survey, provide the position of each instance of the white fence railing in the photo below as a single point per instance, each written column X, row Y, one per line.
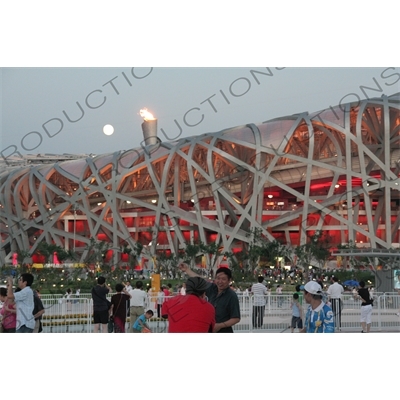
column 67, row 315
column 75, row 315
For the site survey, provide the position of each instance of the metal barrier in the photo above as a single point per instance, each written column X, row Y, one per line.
column 67, row 316
column 75, row 315
column 278, row 314
column 388, row 305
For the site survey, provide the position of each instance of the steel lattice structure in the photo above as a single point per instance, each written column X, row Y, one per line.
column 336, row 170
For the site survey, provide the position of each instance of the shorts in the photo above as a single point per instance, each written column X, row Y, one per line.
column 366, row 313
column 297, row 322
column 100, row 317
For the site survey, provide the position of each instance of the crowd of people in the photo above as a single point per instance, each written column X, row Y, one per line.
column 324, row 310
column 200, row 306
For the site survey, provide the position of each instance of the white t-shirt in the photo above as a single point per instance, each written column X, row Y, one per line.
column 138, row 298
column 25, row 304
column 160, row 297
column 335, row 291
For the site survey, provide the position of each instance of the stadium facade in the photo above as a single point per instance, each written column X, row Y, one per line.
column 335, row 171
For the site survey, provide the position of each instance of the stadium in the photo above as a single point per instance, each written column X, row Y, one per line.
column 335, row 171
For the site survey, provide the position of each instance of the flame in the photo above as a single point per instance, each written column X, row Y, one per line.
column 147, row 116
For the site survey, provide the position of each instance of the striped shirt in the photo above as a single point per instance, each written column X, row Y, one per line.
column 259, row 291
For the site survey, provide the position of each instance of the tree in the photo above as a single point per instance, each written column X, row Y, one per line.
column 22, row 256
column 246, row 263
column 212, row 253
column 190, row 253
column 168, row 264
column 255, row 249
column 351, row 246
column 133, row 252
column 236, row 261
column 321, row 248
column 273, row 250
column 317, row 249
column 95, row 254
column 47, row 250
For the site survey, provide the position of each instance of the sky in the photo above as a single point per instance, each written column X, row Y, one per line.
column 63, row 110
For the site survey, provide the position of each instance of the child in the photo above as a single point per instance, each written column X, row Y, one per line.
column 297, row 314
column 140, row 323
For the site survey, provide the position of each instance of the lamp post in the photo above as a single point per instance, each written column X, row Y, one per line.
column 74, row 209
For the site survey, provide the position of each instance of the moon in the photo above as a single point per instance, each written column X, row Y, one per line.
column 108, row 129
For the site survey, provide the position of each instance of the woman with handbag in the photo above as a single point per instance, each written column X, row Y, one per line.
column 8, row 313
column 118, row 307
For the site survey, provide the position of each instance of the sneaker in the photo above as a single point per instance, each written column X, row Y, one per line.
column 398, row 314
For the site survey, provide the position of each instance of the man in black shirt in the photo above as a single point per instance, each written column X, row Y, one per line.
column 366, row 307
column 222, row 297
column 101, row 305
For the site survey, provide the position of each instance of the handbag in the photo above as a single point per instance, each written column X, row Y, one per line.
column 111, row 324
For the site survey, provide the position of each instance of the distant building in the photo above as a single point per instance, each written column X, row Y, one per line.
column 336, row 170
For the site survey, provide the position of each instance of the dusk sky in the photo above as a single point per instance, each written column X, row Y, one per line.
column 63, row 110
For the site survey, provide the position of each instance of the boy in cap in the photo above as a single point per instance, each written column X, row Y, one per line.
column 319, row 316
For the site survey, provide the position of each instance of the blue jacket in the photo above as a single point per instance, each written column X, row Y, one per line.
column 320, row 320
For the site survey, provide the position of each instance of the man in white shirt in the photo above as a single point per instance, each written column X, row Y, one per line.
column 259, row 292
column 137, row 304
column 24, row 302
column 335, row 292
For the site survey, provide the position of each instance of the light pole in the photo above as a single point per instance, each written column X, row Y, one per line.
column 74, row 208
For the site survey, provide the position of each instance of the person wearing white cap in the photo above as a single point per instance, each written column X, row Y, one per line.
column 319, row 316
